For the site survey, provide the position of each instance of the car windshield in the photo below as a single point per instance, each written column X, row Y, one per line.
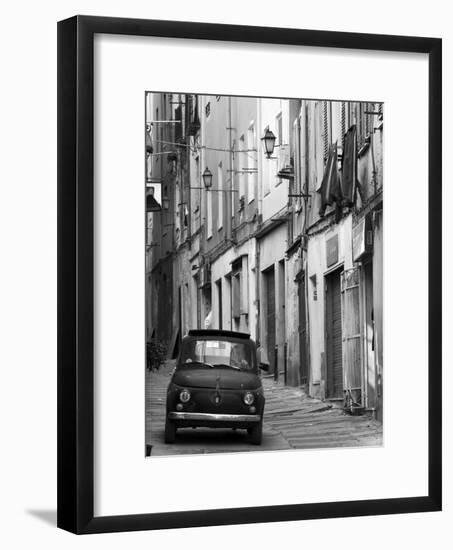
column 212, row 353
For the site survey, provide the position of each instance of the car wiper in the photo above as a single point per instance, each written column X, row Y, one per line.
column 198, row 363
column 227, row 365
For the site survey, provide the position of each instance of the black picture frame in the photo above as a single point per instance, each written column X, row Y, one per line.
column 76, row 260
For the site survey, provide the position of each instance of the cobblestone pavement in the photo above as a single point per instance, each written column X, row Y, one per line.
column 291, row 421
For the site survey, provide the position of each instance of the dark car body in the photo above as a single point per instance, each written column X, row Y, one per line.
column 216, row 384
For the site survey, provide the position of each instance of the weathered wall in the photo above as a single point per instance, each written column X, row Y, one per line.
column 221, row 271
column 293, row 266
column 378, row 307
column 271, row 252
column 214, row 135
column 317, row 268
column 274, row 191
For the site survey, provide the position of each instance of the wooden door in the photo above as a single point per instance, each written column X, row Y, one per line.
column 303, row 356
column 270, row 316
column 334, row 337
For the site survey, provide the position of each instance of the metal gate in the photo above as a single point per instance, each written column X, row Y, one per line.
column 334, row 336
column 350, row 299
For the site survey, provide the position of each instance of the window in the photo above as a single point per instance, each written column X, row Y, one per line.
column 364, row 122
column 266, row 170
column 279, row 136
column 195, row 195
column 326, row 127
column 228, row 353
column 336, row 123
column 233, row 187
column 236, row 290
column 158, row 144
column 220, row 303
column 343, row 121
column 220, row 195
column 241, row 165
column 297, row 158
column 251, row 162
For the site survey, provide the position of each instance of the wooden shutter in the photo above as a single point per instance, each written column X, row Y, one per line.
column 351, row 325
column 325, row 125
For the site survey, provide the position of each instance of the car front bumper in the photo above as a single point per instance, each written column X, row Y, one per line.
column 201, row 418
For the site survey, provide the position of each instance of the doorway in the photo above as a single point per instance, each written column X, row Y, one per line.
column 303, row 359
column 334, row 336
column 220, row 302
column 270, row 318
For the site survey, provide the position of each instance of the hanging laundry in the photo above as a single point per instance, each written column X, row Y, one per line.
column 148, row 140
column 330, row 188
column 349, row 168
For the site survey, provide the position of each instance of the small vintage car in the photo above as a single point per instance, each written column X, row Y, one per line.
column 216, row 384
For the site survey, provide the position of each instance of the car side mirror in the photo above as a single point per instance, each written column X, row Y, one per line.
column 262, row 360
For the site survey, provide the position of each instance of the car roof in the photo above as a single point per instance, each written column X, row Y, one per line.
column 217, row 332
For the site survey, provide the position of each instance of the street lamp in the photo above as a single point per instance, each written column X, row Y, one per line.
column 268, row 142
column 207, row 178
column 207, row 183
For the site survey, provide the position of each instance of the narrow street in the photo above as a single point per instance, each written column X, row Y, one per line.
column 291, row 421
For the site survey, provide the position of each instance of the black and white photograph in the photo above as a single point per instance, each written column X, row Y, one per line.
column 201, row 288
column 264, row 273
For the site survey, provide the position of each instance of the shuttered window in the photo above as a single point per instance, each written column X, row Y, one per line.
column 296, row 153
column 327, row 127
column 220, row 196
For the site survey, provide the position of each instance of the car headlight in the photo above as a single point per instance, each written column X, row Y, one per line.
column 249, row 398
column 184, row 396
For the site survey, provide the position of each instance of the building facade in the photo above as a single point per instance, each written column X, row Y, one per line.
column 285, row 246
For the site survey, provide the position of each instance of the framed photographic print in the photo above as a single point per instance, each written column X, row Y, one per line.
column 249, row 279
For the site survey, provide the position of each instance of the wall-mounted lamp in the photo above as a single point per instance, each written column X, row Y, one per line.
column 165, row 203
column 207, row 178
column 268, row 142
column 207, row 182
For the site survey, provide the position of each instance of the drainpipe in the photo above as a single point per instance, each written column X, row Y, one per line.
column 230, row 203
column 257, row 291
column 257, row 241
